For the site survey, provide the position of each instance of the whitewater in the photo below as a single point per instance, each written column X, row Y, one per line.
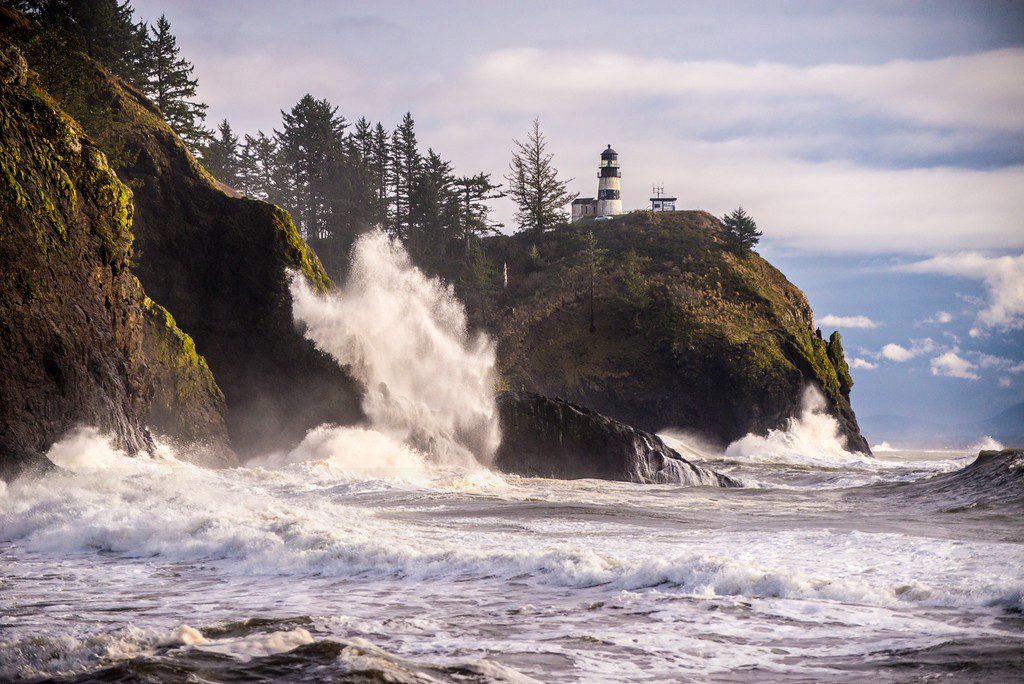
column 391, row 552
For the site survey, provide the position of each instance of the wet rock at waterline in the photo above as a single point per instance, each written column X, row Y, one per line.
column 545, row 437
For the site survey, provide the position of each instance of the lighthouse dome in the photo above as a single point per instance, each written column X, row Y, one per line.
column 609, row 153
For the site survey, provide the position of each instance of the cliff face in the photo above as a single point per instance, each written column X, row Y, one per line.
column 73, row 331
column 218, row 263
column 688, row 334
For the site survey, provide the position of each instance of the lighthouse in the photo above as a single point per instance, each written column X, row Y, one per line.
column 609, row 202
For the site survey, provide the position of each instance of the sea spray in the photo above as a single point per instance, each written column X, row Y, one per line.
column 428, row 381
column 813, row 438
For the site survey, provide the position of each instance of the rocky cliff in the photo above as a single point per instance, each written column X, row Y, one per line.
column 219, row 263
column 544, row 437
column 76, row 346
column 688, row 334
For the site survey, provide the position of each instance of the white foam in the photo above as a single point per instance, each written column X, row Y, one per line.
column 257, row 645
column 986, row 443
column 813, row 439
column 254, row 521
column 428, row 381
column 85, row 448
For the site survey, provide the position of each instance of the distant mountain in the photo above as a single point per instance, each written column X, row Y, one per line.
column 1007, row 427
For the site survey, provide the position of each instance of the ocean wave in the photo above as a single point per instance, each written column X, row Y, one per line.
column 285, row 521
column 257, row 654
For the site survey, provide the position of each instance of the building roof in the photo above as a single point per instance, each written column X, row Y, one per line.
column 664, row 199
column 583, row 200
column 609, row 153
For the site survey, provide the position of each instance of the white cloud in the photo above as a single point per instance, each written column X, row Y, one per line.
column 862, row 363
column 720, row 134
column 940, row 317
column 977, row 91
column 1004, row 382
column 951, row 365
column 900, row 354
column 1017, row 368
column 894, row 352
column 1004, row 281
column 832, row 321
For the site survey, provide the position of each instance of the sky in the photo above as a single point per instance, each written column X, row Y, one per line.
column 879, row 145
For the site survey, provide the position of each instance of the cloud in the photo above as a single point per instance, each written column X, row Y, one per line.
column 980, row 90
column 940, row 317
column 770, row 136
column 1004, row 283
column 832, row 321
column 863, row 364
column 1004, row 382
column 951, row 365
column 899, row 354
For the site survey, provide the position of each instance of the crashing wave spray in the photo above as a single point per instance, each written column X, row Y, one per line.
column 812, row 438
column 428, row 381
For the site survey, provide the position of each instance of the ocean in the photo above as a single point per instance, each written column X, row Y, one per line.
column 827, row 566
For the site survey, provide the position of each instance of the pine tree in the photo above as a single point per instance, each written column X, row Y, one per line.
column 593, row 257
column 741, row 231
column 433, row 210
column 405, row 164
column 534, row 185
column 248, row 168
column 269, row 176
column 474, row 193
column 105, row 30
column 173, row 89
column 221, row 156
column 378, row 163
column 312, row 142
column 362, row 140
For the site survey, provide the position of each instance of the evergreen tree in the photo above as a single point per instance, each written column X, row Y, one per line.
column 405, row 165
column 534, row 185
column 173, row 89
column 221, row 156
column 474, row 193
column 433, row 211
column 378, row 163
column 593, row 257
column 265, row 173
column 362, row 140
column 105, row 30
column 741, row 231
column 312, row 142
column 248, row 168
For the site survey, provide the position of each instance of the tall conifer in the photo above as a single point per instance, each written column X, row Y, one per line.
column 172, row 87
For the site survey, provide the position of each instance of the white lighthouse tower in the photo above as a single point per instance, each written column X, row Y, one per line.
column 609, row 202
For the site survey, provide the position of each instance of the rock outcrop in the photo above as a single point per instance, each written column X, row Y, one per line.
column 544, row 437
column 689, row 334
column 74, row 336
column 220, row 264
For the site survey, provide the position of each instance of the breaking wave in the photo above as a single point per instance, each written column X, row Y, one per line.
column 811, row 439
column 428, row 381
column 254, row 521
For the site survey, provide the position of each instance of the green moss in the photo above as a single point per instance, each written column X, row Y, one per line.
column 297, row 253
column 834, row 350
column 176, row 351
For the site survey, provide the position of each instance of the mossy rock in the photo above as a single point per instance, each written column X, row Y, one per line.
column 220, row 263
column 716, row 343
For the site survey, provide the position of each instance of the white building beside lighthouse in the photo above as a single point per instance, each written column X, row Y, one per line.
column 609, row 199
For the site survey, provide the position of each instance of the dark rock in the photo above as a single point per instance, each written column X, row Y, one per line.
column 78, row 343
column 544, row 437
